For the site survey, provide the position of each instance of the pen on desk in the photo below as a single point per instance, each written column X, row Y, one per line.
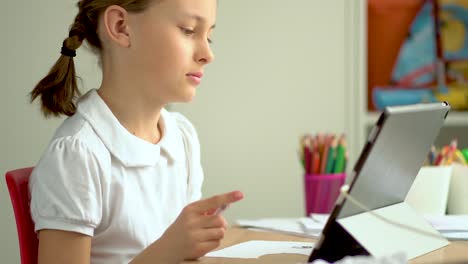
column 301, row 247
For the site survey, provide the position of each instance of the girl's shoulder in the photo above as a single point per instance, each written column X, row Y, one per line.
column 76, row 134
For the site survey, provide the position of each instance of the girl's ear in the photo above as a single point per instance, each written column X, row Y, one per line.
column 116, row 27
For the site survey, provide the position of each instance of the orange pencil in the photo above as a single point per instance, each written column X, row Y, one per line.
column 324, row 156
column 316, row 162
column 316, row 155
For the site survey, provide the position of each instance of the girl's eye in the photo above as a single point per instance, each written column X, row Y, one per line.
column 188, row 31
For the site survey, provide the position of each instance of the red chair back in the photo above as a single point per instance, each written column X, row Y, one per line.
column 17, row 182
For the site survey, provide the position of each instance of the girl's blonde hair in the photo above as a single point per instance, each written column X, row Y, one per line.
column 58, row 90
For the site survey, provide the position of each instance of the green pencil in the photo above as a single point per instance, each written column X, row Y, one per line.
column 340, row 156
column 331, row 157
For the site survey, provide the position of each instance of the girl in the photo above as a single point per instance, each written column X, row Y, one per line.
column 114, row 183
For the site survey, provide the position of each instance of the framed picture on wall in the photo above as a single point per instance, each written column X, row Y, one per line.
column 417, row 52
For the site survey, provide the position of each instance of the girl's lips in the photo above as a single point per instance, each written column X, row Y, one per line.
column 195, row 77
column 196, row 74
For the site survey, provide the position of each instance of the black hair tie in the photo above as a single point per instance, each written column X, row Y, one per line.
column 68, row 52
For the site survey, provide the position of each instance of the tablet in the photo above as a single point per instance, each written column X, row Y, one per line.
column 387, row 166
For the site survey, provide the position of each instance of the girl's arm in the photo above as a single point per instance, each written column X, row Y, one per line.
column 56, row 246
column 196, row 231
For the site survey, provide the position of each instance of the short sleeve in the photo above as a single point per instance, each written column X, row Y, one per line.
column 65, row 188
column 192, row 146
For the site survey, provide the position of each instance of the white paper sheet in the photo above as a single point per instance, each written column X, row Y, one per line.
column 320, row 217
column 452, row 227
column 449, row 222
column 455, row 235
column 291, row 226
column 258, row 248
column 315, row 223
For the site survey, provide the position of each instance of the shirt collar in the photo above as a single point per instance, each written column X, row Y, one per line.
column 132, row 151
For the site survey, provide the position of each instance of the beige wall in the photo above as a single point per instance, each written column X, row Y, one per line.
column 279, row 72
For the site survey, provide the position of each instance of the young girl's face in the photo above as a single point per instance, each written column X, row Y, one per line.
column 170, row 47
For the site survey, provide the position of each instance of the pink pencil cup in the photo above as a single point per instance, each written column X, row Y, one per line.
column 321, row 191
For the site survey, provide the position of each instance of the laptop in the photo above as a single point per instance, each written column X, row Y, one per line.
column 395, row 150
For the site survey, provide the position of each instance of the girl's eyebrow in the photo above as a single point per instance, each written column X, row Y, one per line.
column 198, row 18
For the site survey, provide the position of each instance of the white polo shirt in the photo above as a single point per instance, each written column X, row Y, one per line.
column 98, row 179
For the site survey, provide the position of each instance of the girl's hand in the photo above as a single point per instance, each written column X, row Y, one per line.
column 197, row 230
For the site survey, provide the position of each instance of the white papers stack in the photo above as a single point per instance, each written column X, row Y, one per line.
column 315, row 223
column 305, row 226
column 258, row 248
column 453, row 227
